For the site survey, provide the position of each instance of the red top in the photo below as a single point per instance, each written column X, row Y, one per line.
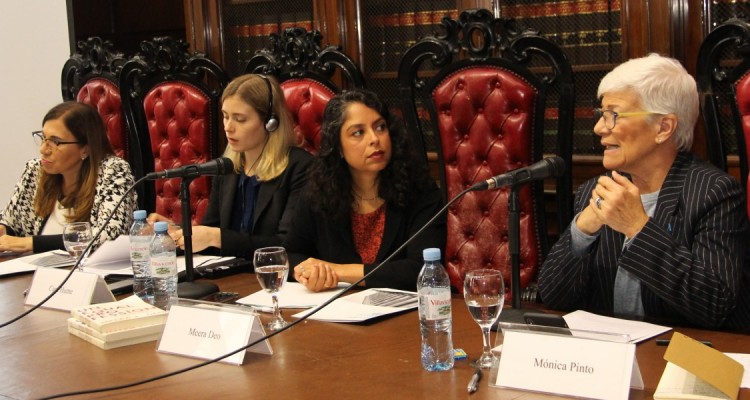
column 367, row 230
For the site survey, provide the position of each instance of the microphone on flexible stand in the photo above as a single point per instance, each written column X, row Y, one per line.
column 559, row 167
column 189, row 289
column 219, row 166
column 546, row 168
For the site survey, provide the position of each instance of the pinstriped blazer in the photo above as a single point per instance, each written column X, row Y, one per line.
column 689, row 257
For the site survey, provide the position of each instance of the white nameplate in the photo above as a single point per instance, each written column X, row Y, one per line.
column 210, row 331
column 566, row 365
column 81, row 289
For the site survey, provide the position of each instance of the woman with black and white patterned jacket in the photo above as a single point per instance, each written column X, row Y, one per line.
column 62, row 186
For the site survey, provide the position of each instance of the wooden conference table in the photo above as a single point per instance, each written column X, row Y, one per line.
column 314, row 360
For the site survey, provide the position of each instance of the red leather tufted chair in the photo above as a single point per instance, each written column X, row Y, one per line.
column 173, row 106
column 91, row 76
column 486, row 116
column 723, row 74
column 305, row 72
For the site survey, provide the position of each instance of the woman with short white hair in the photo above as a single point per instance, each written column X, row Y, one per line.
column 661, row 234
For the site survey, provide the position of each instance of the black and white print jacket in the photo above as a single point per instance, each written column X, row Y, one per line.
column 114, row 178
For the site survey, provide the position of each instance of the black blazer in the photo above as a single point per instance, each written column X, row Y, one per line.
column 314, row 235
column 273, row 211
column 690, row 256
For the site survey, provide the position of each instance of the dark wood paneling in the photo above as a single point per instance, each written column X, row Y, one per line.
column 127, row 22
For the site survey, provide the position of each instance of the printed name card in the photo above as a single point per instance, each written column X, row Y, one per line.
column 209, row 331
column 81, row 289
column 567, row 365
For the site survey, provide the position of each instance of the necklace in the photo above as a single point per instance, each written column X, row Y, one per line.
column 251, row 170
column 359, row 196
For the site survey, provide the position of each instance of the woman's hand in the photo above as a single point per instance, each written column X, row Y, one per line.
column 203, row 237
column 2, row 230
column 619, row 204
column 154, row 217
column 16, row 244
column 316, row 275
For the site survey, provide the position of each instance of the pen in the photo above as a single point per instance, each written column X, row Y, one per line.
column 665, row 342
column 474, row 382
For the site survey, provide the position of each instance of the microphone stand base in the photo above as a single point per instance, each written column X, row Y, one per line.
column 512, row 315
column 195, row 290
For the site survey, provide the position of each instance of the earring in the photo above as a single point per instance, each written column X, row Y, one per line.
column 83, row 157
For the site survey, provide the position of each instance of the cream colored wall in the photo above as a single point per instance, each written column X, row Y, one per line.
column 33, row 48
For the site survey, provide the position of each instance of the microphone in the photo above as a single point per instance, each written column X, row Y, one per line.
column 548, row 167
column 218, row 166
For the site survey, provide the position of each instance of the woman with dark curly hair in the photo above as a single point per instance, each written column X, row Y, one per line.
column 366, row 195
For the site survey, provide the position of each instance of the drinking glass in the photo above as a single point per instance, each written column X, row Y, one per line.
column 484, row 293
column 271, row 268
column 76, row 237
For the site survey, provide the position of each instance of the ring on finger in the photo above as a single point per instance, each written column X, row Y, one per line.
column 599, row 202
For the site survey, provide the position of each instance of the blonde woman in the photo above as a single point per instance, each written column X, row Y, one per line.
column 252, row 207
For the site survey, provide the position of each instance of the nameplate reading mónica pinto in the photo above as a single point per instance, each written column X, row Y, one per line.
column 567, row 365
column 571, row 366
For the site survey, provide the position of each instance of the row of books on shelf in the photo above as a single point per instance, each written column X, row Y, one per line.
column 118, row 323
column 558, row 8
column 263, row 30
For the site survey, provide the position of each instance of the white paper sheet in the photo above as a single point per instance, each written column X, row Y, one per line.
column 111, row 252
column 291, row 295
column 124, row 268
column 743, row 359
column 23, row 264
column 351, row 308
column 638, row 331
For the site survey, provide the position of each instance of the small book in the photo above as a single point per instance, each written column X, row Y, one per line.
column 696, row 371
column 106, row 345
column 121, row 315
column 678, row 383
column 114, row 336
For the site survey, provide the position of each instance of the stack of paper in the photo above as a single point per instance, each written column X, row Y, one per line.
column 53, row 259
column 291, row 295
column 119, row 323
column 361, row 306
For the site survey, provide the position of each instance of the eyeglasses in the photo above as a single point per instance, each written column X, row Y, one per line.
column 53, row 142
column 610, row 117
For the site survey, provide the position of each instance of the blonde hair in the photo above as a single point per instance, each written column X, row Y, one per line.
column 252, row 89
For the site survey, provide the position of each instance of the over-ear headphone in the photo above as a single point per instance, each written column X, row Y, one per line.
column 272, row 121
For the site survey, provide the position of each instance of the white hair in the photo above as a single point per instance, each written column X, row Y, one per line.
column 663, row 86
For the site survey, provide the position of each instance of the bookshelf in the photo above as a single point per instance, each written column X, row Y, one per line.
column 595, row 34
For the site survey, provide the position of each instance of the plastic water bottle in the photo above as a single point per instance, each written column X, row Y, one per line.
column 434, row 289
column 141, row 234
column 163, row 266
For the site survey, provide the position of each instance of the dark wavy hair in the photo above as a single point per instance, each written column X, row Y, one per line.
column 330, row 184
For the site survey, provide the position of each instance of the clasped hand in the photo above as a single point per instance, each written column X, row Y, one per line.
column 615, row 202
column 316, row 275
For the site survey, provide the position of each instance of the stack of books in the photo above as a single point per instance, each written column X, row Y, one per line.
column 118, row 323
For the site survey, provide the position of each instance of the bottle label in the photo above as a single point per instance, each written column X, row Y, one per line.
column 163, row 267
column 139, row 251
column 437, row 306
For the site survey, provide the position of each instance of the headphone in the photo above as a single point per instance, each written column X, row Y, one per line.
column 272, row 121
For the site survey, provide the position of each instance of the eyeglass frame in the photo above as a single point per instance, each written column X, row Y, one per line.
column 55, row 141
column 599, row 114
